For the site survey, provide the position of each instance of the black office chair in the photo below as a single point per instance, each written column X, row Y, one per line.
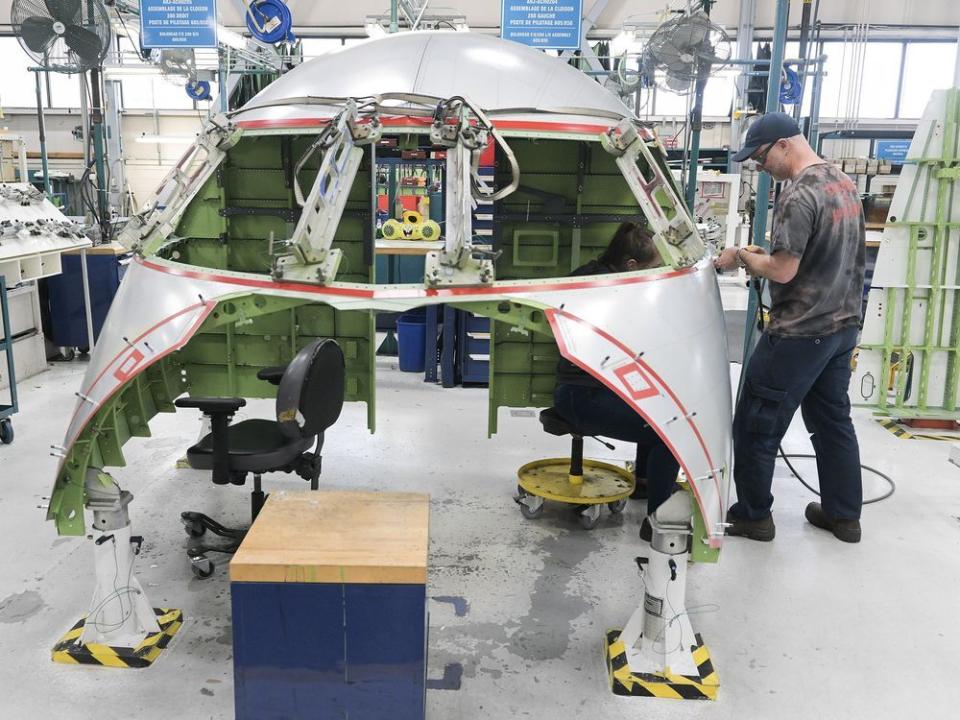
column 309, row 400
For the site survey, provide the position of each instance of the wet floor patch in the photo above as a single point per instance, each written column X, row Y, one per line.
column 20, row 606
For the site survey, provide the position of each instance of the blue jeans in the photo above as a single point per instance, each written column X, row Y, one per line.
column 600, row 411
column 785, row 373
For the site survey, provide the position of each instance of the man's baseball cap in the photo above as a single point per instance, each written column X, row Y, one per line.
column 769, row 128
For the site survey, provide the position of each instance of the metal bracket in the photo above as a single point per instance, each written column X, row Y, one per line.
column 458, row 263
column 311, row 258
column 673, row 229
column 465, row 131
column 149, row 228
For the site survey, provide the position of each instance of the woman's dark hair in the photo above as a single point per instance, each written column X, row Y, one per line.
column 631, row 241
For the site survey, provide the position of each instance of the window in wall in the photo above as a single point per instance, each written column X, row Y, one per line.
column 171, row 95
column 137, row 92
column 927, row 67
column 878, row 91
column 833, row 95
column 146, row 92
column 718, row 95
column 64, row 90
column 717, row 98
column 668, row 103
column 18, row 88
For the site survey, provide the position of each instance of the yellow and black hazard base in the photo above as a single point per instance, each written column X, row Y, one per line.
column 901, row 432
column 71, row 652
column 702, row 686
column 600, row 483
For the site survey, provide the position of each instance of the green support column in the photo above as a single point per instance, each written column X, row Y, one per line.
column 763, row 183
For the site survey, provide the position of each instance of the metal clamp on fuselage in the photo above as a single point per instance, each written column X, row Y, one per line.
column 466, row 132
column 308, row 255
column 146, row 231
column 673, row 229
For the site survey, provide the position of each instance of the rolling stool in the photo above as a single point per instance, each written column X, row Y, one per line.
column 575, row 481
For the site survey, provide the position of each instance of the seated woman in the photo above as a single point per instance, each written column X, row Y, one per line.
column 593, row 408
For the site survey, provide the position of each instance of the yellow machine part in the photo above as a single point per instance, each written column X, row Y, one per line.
column 601, row 483
column 392, row 230
column 430, row 230
column 413, row 227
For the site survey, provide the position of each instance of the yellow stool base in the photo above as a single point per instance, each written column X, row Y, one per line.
column 550, row 479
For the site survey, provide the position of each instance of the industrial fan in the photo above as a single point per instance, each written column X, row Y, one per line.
column 177, row 65
column 684, row 49
column 67, row 36
column 71, row 36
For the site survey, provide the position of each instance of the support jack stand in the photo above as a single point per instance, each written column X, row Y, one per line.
column 657, row 654
column 121, row 629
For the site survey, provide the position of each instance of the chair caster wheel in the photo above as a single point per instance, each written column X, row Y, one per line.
column 589, row 517
column 202, row 567
column 194, row 529
column 531, row 506
column 616, row 507
column 6, row 431
column 192, row 524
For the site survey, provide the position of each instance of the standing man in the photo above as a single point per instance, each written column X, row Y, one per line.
column 815, row 275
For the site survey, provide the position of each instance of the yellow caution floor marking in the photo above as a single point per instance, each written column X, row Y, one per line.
column 71, row 651
column 901, row 432
column 702, row 686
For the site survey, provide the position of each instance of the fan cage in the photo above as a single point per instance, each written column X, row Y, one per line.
column 89, row 15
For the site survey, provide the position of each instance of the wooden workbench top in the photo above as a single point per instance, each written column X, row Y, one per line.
column 337, row 537
column 407, row 247
column 113, row 248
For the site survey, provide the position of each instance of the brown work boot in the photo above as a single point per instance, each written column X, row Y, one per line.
column 846, row 530
column 760, row 530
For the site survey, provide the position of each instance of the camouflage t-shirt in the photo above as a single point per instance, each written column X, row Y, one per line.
column 818, row 218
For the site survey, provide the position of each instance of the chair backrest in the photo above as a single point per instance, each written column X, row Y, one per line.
column 310, row 395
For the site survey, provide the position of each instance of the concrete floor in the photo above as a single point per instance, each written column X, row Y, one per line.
column 802, row 627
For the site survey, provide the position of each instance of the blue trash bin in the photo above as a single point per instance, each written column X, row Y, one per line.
column 411, row 341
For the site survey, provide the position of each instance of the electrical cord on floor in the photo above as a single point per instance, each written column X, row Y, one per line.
column 892, row 489
column 758, row 285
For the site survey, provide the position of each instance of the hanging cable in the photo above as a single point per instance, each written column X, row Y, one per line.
column 791, row 89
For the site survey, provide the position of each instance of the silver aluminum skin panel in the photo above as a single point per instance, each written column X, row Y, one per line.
column 499, row 75
column 656, row 338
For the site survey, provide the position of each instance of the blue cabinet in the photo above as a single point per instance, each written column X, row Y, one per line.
column 329, row 599
column 68, row 322
column 474, row 349
column 319, row 651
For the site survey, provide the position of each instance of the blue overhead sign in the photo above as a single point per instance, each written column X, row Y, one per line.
column 894, row 151
column 548, row 24
column 178, row 23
